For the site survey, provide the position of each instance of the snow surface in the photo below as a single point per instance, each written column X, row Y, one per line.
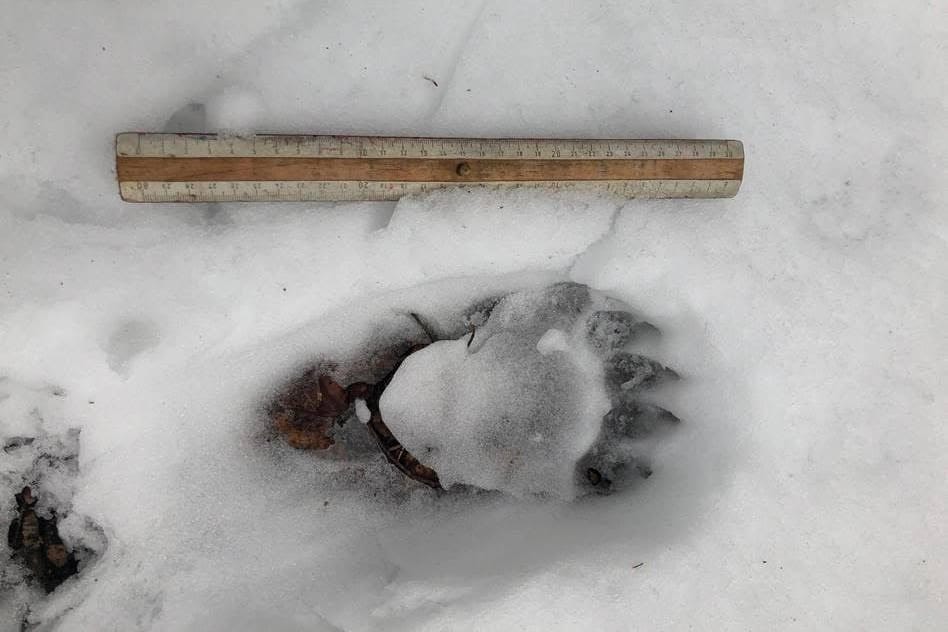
column 511, row 407
column 806, row 486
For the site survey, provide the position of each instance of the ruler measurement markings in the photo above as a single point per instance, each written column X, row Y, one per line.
column 277, row 145
column 310, row 191
column 148, row 143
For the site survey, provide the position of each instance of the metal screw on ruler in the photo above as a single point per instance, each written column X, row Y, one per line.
column 267, row 167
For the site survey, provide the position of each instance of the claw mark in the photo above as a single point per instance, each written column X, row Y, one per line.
column 456, row 61
column 427, row 78
column 425, row 327
column 471, row 339
column 593, row 476
column 636, row 420
column 632, row 372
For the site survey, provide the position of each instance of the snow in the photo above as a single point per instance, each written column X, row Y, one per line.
column 512, row 408
column 805, row 487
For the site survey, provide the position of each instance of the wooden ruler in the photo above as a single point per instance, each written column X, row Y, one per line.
column 293, row 168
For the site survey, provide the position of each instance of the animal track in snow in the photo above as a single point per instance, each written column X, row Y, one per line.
column 129, row 340
column 534, row 392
